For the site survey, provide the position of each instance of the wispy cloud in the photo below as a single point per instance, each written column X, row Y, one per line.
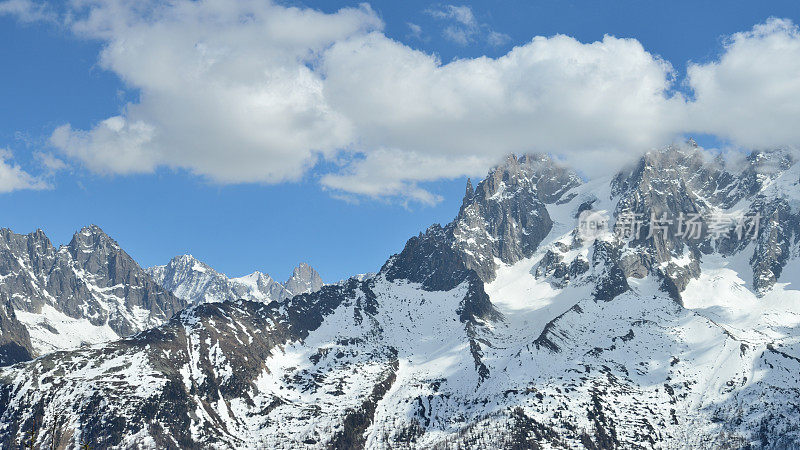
column 460, row 14
column 414, row 30
column 51, row 163
column 14, row 178
column 27, row 11
column 497, row 39
column 464, row 28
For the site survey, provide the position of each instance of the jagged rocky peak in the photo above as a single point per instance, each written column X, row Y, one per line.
column 192, row 280
column 683, row 181
column 763, row 167
column 304, row 279
column 672, row 182
column 505, row 216
column 677, row 176
column 87, row 291
column 92, row 237
column 536, row 172
column 33, row 250
column 100, row 255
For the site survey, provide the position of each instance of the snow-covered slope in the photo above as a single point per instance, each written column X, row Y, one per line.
column 196, row 282
column 503, row 329
column 86, row 292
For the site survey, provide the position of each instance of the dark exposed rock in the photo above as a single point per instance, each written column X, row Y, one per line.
column 505, row 217
column 610, row 278
column 476, row 304
column 15, row 343
column 779, row 227
column 356, row 422
column 428, row 259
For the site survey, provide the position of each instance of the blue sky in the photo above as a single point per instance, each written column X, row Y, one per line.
column 50, row 75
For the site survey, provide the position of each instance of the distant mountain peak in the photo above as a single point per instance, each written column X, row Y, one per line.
column 197, row 282
column 304, row 279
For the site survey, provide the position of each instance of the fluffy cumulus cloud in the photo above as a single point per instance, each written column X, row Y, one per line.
column 751, row 95
column 227, row 90
column 14, row 178
column 550, row 94
column 252, row 91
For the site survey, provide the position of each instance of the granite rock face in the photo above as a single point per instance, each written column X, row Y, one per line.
column 504, row 218
column 304, row 279
column 682, row 181
column 15, row 342
column 91, row 279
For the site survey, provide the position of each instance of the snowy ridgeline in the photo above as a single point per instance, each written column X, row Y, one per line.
column 504, row 328
column 91, row 291
column 196, row 282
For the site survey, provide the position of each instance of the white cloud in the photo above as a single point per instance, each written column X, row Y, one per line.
column 114, row 146
column 228, row 90
column 461, row 14
column 14, row 178
column 751, row 95
column 552, row 94
column 385, row 173
column 50, row 163
column 250, row 91
column 496, row 39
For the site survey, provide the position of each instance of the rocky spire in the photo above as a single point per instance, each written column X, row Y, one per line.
column 504, row 217
column 304, row 279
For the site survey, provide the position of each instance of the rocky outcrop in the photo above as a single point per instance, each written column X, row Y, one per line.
column 505, row 216
column 678, row 182
column 15, row 342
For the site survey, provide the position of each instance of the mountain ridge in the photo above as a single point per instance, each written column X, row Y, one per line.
column 505, row 328
column 88, row 290
column 194, row 281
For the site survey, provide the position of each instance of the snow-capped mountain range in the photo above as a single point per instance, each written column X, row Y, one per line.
column 85, row 292
column 506, row 328
column 196, row 282
column 91, row 291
